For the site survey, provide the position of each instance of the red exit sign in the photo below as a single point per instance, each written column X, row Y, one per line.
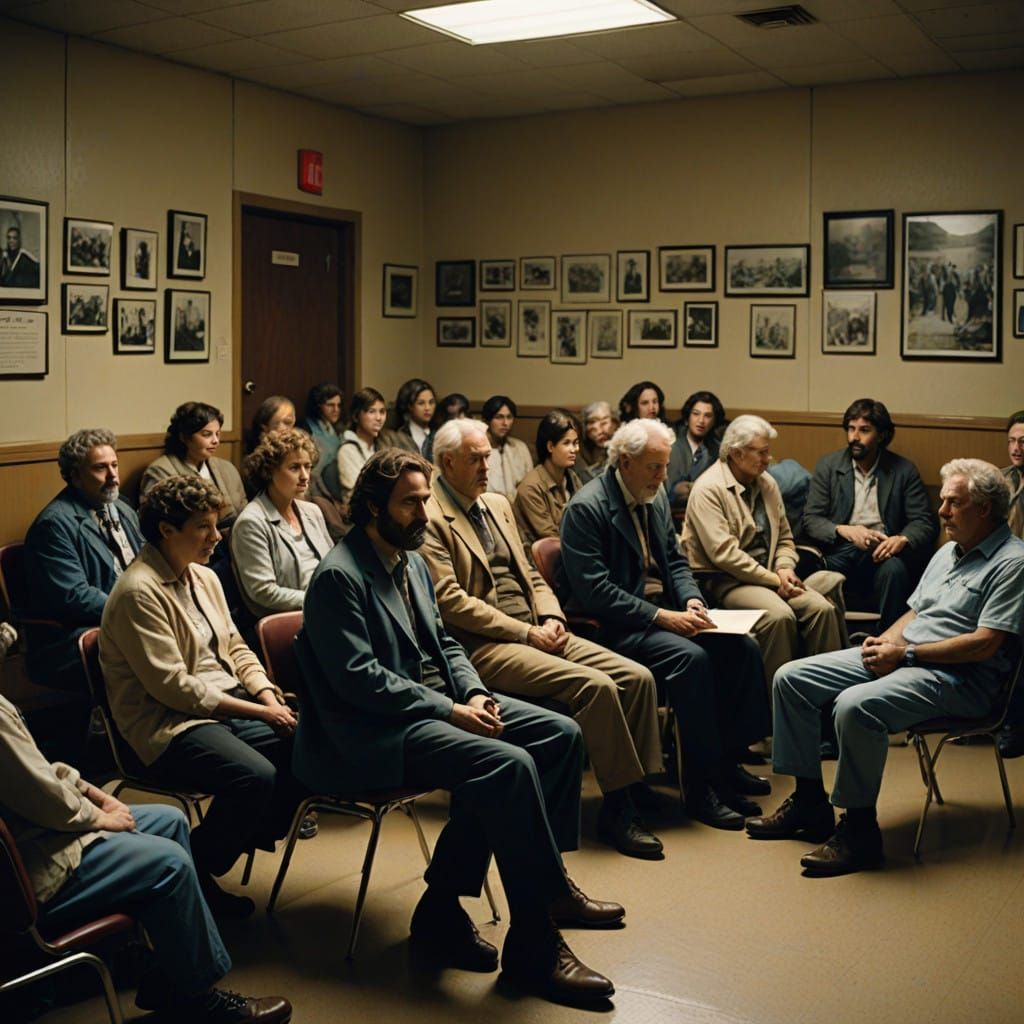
column 311, row 171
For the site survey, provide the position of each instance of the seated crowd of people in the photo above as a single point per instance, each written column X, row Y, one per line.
column 436, row 653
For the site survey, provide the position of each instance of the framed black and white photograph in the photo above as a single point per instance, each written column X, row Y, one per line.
column 1018, row 250
column 533, row 320
column 186, row 326
column 84, row 307
column 587, row 278
column 651, row 328
column 455, row 283
column 700, row 324
column 633, row 275
column 456, row 331
column 773, row 332
column 686, row 268
column 758, row 270
column 88, row 246
column 952, row 290
column 399, row 292
column 134, row 326
column 496, row 323
column 497, row 275
column 139, row 259
column 24, row 345
column 537, row 273
column 569, row 336
column 24, row 230
column 1018, row 313
column 858, row 249
column 848, row 323
column 604, row 333
column 186, row 244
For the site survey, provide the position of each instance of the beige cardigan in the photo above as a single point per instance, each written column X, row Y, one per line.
column 226, row 479
column 149, row 651
column 540, row 503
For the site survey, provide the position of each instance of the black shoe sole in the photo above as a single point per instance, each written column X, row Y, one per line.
column 724, row 825
column 821, row 871
column 562, row 996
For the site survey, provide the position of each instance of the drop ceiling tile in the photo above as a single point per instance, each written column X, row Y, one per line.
column 991, row 60
column 234, row 55
column 192, row 6
column 638, row 42
column 514, row 83
column 264, row 16
column 696, row 8
column 575, row 101
column 996, row 41
column 964, row 21
column 920, row 63
column 453, row 59
column 720, row 85
column 729, row 30
column 545, row 52
column 635, row 91
column 828, row 11
column 7, row 6
column 687, row 65
column 405, row 113
column 935, row 5
column 83, row 17
column 824, row 74
column 409, row 5
column 347, row 38
column 591, row 77
column 480, row 107
column 812, row 44
column 358, row 91
column 165, row 36
column 883, row 36
column 314, row 72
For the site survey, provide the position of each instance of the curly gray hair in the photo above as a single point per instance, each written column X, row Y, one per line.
column 985, row 484
column 74, row 450
column 450, row 435
column 742, row 430
column 633, row 437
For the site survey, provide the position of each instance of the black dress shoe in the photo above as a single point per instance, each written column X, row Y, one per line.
column 829, row 750
column 442, row 931
column 546, row 966
column 1011, row 741
column 580, row 910
column 748, row 756
column 740, row 804
column 625, row 831
column 739, row 780
column 849, row 849
column 709, row 809
column 225, row 904
column 219, row 1006
column 795, row 820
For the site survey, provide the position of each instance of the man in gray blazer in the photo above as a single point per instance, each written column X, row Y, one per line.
column 394, row 701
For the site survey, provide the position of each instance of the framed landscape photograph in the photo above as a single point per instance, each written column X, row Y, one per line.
column 496, row 323
column 186, row 244
column 651, row 328
column 1018, row 313
column 633, row 274
column 686, row 268
column 138, row 259
column 773, row 332
column 497, row 275
column 401, row 285
column 952, row 291
column 569, row 336
column 455, row 283
column 186, row 326
column 537, row 273
column 87, row 246
column 848, row 323
column 587, row 278
column 858, row 249
column 534, row 324
column 24, row 230
column 604, row 333
column 456, row 331
column 134, row 326
column 84, row 307
column 700, row 320
column 758, row 270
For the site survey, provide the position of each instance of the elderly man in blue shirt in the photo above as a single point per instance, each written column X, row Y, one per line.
column 946, row 656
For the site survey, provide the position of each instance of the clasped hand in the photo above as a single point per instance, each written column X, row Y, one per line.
column 480, row 715
column 550, row 637
column 880, row 657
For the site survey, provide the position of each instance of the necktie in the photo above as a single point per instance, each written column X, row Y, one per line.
column 107, row 529
column 483, row 531
column 642, row 519
column 400, row 575
column 698, row 458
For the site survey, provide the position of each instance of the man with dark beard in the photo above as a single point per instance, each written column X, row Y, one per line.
column 870, row 513
column 394, row 701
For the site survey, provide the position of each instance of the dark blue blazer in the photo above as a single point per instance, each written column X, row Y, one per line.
column 361, row 664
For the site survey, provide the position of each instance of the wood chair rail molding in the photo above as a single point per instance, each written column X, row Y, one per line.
column 46, row 451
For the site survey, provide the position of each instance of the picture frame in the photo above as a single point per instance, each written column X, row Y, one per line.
column 24, row 237
column 186, row 326
column 765, row 270
column 700, row 324
column 633, row 275
column 400, row 290
column 651, row 328
column 538, row 273
column 1018, row 250
column 88, row 246
column 497, row 275
column 848, row 323
column 586, row 278
column 1018, row 313
column 496, row 323
column 84, row 307
column 533, row 328
column 24, row 344
column 604, row 333
column 139, row 256
column 455, row 283
column 772, row 331
column 186, row 244
column 686, row 268
column 569, row 336
column 858, row 249
column 456, row 331
column 134, row 327
column 952, row 286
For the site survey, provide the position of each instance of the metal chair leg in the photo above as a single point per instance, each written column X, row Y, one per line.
column 364, row 882
column 1006, row 785
column 293, row 835
column 56, row 966
column 247, row 871
column 495, row 916
column 410, row 810
column 928, row 768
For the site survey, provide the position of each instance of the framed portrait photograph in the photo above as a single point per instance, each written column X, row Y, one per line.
column 858, row 249
column 633, row 275
column 587, row 278
column 496, row 323
column 139, row 259
column 952, row 290
column 24, row 230
column 87, row 246
column 186, row 244
column 758, row 270
column 569, row 336
column 134, row 326
column 651, row 328
column 455, row 283
column 686, row 268
column 186, row 326
column 497, row 275
column 1018, row 250
column 456, row 331
column 24, row 344
column 848, row 323
column 700, row 324
column 84, row 307
column 399, row 291
column 537, row 273
column 533, row 319
column 604, row 333
column 1018, row 313
column 773, row 332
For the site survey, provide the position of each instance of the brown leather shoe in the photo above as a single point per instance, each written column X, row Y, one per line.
column 579, row 910
column 446, row 935
column 219, row 1006
column 848, row 850
column 547, row 966
column 794, row 820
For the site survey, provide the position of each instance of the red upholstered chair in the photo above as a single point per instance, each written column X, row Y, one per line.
column 546, row 554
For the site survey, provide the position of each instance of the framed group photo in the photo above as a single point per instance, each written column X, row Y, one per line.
column 24, row 230
column 569, row 336
column 651, row 328
column 134, row 326
column 686, row 268
column 455, row 283
column 400, row 288
column 858, row 249
column 848, row 323
column 604, row 334
column 700, row 324
column 87, row 246
column 84, row 307
column 533, row 329
column 186, row 326
column 186, row 244
column 633, row 275
column 762, row 270
column 537, row 273
column 497, row 275
column 139, row 259
column 587, row 278
column 456, row 331
column 496, row 323
column 773, row 332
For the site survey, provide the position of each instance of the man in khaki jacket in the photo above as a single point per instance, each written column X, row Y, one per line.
column 499, row 608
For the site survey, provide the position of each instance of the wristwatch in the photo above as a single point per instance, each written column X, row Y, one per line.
column 910, row 656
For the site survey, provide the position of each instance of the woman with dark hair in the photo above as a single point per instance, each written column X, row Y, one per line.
column 545, row 491
column 643, row 401
column 415, row 416
column 365, row 423
column 274, row 412
column 698, row 430
column 323, row 424
column 510, row 458
column 452, row 407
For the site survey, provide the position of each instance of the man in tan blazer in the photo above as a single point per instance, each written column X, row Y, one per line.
column 499, row 608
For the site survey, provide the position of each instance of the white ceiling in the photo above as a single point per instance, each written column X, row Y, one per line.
column 359, row 54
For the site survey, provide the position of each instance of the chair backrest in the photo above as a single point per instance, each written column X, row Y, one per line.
column 546, row 554
column 275, row 634
column 13, row 581
column 17, row 897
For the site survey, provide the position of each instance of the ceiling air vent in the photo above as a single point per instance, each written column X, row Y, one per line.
column 779, row 17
